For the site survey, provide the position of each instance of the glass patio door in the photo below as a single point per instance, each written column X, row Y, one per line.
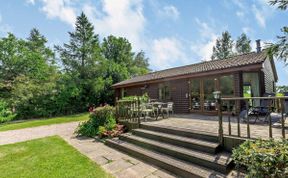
column 209, row 86
column 195, row 95
column 201, row 95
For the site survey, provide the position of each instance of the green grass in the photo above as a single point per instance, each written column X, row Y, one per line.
column 40, row 122
column 46, row 157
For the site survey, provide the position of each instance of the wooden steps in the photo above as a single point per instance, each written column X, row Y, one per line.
column 186, row 153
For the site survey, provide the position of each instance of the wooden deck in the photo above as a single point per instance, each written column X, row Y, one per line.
column 205, row 123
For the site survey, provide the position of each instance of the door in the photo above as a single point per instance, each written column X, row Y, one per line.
column 195, row 95
column 201, row 95
column 209, row 86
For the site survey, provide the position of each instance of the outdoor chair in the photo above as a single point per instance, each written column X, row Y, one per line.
column 147, row 110
column 168, row 109
column 265, row 109
column 207, row 105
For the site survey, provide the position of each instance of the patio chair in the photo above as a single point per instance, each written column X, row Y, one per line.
column 168, row 109
column 147, row 110
column 264, row 109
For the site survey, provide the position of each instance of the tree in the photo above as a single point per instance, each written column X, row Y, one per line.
column 223, row 47
column 281, row 89
column 121, row 62
column 27, row 78
column 281, row 4
column 37, row 43
column 80, row 58
column 140, row 64
column 280, row 48
column 81, row 54
column 243, row 44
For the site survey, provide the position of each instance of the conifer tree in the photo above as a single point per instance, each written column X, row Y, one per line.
column 223, row 47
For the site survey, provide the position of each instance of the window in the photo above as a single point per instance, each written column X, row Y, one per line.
column 164, row 92
column 227, row 85
column 123, row 92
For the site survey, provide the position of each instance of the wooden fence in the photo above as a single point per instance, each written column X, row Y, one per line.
column 271, row 103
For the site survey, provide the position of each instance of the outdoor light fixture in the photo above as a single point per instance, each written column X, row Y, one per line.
column 217, row 94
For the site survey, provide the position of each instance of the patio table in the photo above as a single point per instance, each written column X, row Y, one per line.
column 159, row 106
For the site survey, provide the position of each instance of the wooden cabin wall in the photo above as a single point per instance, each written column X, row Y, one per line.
column 268, row 77
column 180, row 95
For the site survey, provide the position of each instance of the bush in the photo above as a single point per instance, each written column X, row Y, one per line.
column 119, row 129
column 5, row 113
column 263, row 158
column 101, row 119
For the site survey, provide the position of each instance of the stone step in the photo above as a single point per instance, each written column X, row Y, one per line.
column 175, row 166
column 200, row 145
column 196, row 134
column 219, row 162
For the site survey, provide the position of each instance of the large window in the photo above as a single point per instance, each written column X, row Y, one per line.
column 227, row 85
column 164, row 92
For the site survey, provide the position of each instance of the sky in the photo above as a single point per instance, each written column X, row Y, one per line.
column 171, row 33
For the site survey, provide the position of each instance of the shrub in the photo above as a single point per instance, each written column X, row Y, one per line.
column 263, row 158
column 119, row 129
column 101, row 119
column 5, row 113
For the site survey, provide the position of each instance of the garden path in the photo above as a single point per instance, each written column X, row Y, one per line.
column 114, row 162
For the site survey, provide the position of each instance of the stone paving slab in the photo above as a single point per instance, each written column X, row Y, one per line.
column 118, row 164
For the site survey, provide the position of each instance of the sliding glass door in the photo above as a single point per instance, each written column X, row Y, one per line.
column 201, row 93
column 195, row 96
column 209, row 86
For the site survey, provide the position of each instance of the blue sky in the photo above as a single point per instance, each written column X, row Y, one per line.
column 172, row 33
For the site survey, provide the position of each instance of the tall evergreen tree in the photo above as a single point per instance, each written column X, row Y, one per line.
column 223, row 47
column 80, row 58
column 81, row 55
column 243, row 44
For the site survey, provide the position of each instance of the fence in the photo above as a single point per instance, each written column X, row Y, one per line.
column 238, row 100
column 128, row 110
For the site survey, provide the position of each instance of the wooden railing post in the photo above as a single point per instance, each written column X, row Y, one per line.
column 238, row 119
column 229, row 118
column 116, row 111
column 248, row 119
column 220, row 118
column 270, row 119
column 138, row 111
column 282, row 101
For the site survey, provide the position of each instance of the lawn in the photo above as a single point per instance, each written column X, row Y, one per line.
column 46, row 157
column 40, row 122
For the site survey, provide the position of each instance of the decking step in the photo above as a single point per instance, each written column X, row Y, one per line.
column 219, row 162
column 200, row 145
column 196, row 134
column 176, row 166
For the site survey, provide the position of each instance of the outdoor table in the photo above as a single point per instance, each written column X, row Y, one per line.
column 159, row 106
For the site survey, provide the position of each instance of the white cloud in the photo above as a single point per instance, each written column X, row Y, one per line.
column 61, row 9
column 204, row 47
column 30, row 2
column 120, row 18
column 260, row 17
column 262, row 11
column 167, row 52
column 4, row 28
column 169, row 11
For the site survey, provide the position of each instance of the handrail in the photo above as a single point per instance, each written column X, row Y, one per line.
column 249, row 98
column 129, row 110
column 280, row 99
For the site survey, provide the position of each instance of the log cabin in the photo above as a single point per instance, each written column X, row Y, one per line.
column 191, row 87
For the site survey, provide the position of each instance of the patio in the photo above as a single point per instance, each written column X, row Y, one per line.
column 210, row 124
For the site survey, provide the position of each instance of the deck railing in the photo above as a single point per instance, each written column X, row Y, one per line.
column 128, row 110
column 280, row 100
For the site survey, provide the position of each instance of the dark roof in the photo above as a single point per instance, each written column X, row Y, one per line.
column 231, row 62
